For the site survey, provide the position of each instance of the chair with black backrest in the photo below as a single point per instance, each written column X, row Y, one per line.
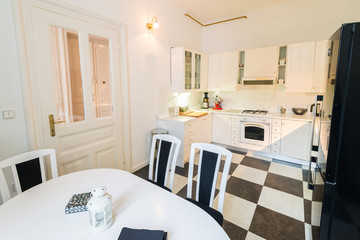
column 167, row 154
column 28, row 170
column 208, row 171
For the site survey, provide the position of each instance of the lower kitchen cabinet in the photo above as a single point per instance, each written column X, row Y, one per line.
column 222, row 129
column 195, row 130
column 295, row 139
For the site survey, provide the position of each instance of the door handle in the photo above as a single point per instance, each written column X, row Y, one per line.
column 52, row 125
column 312, row 177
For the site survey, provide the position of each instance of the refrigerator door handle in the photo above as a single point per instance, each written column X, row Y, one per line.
column 312, row 173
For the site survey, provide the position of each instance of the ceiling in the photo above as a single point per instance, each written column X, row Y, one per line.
column 208, row 10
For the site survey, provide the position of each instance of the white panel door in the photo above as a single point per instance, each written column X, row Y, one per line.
column 221, row 129
column 64, row 70
column 295, row 139
column 321, row 66
column 229, row 70
column 261, row 62
column 214, row 71
column 300, row 67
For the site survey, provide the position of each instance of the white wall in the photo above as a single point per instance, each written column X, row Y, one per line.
column 149, row 58
column 289, row 21
column 13, row 139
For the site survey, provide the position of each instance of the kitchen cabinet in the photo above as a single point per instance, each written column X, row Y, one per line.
column 295, row 139
column 194, row 130
column 188, row 70
column 224, row 71
column 282, row 65
column 300, row 67
column 214, row 71
column 334, row 51
column 275, row 136
column 204, row 129
column 321, row 66
column 261, row 62
column 229, row 71
column 307, row 67
column 235, row 125
column 222, row 129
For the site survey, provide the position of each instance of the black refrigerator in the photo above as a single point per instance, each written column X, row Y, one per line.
column 335, row 169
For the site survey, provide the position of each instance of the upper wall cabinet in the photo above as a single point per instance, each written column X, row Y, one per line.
column 321, row 66
column 188, row 70
column 224, row 71
column 229, row 71
column 261, row 62
column 300, row 67
column 307, row 65
column 214, row 71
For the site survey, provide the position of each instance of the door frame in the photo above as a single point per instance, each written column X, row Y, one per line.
column 27, row 67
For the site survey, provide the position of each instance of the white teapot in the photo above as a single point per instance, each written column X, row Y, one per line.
column 100, row 210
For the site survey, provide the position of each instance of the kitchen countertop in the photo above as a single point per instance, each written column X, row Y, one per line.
column 237, row 112
column 182, row 119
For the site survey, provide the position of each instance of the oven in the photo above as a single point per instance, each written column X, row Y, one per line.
column 255, row 133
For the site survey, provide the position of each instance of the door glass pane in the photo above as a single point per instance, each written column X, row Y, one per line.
column 197, row 70
column 254, row 133
column 68, row 85
column 188, row 57
column 101, row 77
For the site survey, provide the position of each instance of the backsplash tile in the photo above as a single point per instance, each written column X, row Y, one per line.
column 270, row 98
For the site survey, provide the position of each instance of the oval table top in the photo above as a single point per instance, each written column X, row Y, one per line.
column 39, row 213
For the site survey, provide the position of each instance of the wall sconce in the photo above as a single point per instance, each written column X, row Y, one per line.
column 154, row 24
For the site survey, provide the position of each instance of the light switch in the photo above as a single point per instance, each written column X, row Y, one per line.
column 9, row 114
column 6, row 114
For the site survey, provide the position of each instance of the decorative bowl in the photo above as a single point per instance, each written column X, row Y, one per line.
column 299, row 111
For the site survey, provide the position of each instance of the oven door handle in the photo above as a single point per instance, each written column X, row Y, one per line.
column 252, row 124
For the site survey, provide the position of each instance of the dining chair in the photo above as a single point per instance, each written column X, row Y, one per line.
column 19, row 164
column 207, row 174
column 165, row 161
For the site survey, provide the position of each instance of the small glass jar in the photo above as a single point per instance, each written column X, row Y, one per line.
column 100, row 209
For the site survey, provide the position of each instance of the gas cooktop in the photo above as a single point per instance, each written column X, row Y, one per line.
column 257, row 112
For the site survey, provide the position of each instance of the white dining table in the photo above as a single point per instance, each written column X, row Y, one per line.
column 39, row 213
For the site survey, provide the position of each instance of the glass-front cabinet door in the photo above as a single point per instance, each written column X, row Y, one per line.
column 188, row 70
column 197, row 71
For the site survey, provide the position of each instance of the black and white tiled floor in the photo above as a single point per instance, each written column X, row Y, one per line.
column 264, row 199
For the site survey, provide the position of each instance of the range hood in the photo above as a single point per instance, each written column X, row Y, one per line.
column 268, row 80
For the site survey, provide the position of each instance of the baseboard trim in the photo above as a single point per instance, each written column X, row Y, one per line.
column 140, row 165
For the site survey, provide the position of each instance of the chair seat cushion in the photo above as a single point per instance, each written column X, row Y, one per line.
column 159, row 185
column 212, row 212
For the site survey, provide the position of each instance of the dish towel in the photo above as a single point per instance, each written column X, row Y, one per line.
column 142, row 234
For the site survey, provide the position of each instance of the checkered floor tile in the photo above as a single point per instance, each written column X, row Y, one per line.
column 263, row 200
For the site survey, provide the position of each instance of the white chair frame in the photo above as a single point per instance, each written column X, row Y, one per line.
column 172, row 157
column 221, row 152
column 24, row 157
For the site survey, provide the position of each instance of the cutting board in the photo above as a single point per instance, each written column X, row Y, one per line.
column 193, row 114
